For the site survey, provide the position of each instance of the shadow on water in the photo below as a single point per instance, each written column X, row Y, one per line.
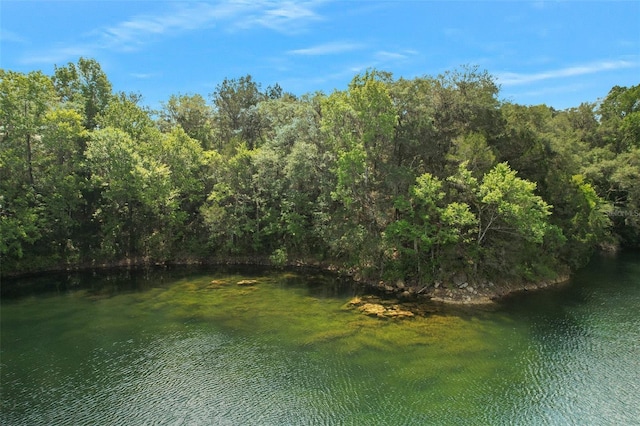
column 113, row 281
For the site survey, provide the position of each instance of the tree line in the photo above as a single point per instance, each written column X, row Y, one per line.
column 395, row 178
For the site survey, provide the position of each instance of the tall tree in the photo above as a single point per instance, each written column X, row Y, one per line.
column 192, row 113
column 85, row 86
column 25, row 100
column 235, row 103
column 123, row 112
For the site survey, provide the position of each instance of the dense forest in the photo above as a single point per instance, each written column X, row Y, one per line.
column 415, row 179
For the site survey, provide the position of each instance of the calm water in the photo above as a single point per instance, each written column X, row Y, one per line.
column 173, row 348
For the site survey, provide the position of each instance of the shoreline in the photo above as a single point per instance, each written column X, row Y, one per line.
column 459, row 291
column 462, row 293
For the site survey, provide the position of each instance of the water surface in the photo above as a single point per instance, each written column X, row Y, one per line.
column 191, row 346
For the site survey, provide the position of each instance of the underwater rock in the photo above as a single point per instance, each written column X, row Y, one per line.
column 214, row 284
column 396, row 311
column 372, row 309
column 376, row 307
column 247, row 282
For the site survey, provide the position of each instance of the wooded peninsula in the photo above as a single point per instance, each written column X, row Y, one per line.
column 395, row 180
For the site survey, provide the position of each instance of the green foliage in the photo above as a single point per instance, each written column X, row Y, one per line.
column 416, row 179
column 83, row 87
column 33, row 191
column 236, row 114
column 192, row 115
column 512, row 221
column 279, row 257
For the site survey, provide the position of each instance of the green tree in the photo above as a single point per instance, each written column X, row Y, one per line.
column 513, row 222
column 138, row 198
column 25, row 100
column 85, row 87
column 192, row 114
column 235, row 111
column 473, row 149
column 526, row 143
column 63, row 183
column 123, row 112
column 431, row 236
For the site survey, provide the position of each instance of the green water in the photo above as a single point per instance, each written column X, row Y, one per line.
column 173, row 348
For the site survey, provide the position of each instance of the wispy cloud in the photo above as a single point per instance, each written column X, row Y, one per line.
column 142, row 75
column 327, row 49
column 58, row 55
column 134, row 33
column 10, row 36
column 387, row 56
column 285, row 17
column 514, row 79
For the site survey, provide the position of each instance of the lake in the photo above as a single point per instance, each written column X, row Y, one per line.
column 187, row 346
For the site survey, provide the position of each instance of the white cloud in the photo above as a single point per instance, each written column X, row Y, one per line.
column 287, row 17
column 387, row 56
column 326, row 49
column 514, row 79
column 10, row 36
column 134, row 33
column 142, row 76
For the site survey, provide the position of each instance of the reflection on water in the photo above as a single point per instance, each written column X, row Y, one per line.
column 189, row 346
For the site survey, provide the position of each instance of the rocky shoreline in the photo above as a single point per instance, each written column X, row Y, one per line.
column 461, row 290
column 401, row 301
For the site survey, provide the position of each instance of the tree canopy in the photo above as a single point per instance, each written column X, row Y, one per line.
column 415, row 179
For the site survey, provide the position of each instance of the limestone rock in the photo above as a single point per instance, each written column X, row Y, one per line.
column 373, row 309
column 247, row 282
column 355, row 301
column 406, row 295
column 214, row 284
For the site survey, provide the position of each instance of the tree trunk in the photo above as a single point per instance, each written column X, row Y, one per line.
column 29, row 165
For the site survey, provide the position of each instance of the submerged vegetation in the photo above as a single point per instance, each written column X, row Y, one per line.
column 414, row 180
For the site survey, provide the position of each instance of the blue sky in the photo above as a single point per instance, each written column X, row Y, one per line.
column 560, row 53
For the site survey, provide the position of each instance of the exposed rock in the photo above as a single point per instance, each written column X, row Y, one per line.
column 437, row 284
column 471, row 289
column 372, row 309
column 380, row 308
column 463, row 285
column 355, row 301
column 400, row 285
column 406, row 295
column 214, row 284
column 398, row 313
column 247, row 282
